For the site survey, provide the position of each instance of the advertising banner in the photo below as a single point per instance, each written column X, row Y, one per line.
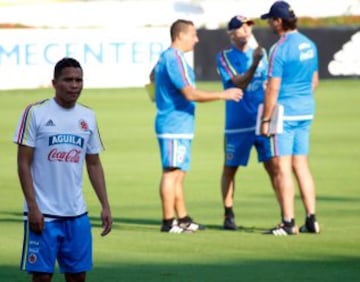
column 110, row 58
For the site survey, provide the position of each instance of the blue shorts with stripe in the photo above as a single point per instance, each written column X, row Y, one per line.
column 175, row 153
column 294, row 140
column 67, row 241
column 237, row 147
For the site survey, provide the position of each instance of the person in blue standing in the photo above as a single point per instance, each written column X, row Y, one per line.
column 241, row 65
column 292, row 78
column 175, row 97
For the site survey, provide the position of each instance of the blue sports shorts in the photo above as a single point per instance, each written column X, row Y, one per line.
column 294, row 140
column 68, row 241
column 237, row 148
column 175, row 153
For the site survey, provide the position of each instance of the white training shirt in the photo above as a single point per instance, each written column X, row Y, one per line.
column 61, row 138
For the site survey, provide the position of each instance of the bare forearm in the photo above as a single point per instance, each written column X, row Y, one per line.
column 29, row 194
column 97, row 180
column 27, row 187
column 271, row 96
column 197, row 95
column 315, row 80
column 242, row 81
column 205, row 96
column 269, row 104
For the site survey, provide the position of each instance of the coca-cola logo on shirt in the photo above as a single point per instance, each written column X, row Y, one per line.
column 72, row 156
column 63, row 148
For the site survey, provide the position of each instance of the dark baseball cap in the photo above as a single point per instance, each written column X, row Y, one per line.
column 280, row 9
column 237, row 22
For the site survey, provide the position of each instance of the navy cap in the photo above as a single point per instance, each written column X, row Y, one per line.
column 280, row 9
column 237, row 22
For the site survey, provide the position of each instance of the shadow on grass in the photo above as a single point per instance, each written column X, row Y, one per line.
column 135, row 223
column 131, row 223
column 340, row 269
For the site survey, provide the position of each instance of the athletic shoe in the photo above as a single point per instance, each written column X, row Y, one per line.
column 310, row 226
column 174, row 228
column 283, row 229
column 191, row 225
column 229, row 223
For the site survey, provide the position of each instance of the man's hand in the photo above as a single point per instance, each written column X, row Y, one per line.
column 264, row 128
column 36, row 220
column 234, row 94
column 258, row 54
column 106, row 221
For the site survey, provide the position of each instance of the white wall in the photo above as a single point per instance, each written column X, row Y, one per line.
column 127, row 13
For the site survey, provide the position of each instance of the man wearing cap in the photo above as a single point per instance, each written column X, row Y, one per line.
column 241, row 66
column 292, row 78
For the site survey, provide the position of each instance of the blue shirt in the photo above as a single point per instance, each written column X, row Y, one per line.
column 294, row 59
column 230, row 62
column 175, row 114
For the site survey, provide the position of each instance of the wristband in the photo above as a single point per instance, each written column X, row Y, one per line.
column 265, row 121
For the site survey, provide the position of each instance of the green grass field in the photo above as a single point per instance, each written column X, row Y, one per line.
column 137, row 251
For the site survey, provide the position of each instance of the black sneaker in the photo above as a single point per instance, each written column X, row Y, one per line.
column 190, row 225
column 283, row 229
column 173, row 228
column 229, row 223
column 310, row 226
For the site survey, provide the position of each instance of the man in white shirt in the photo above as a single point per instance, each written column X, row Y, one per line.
column 55, row 138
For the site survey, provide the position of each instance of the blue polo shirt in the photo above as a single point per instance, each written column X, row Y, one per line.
column 175, row 114
column 294, row 59
column 230, row 62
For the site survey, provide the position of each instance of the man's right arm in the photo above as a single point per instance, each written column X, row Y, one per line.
column 242, row 81
column 197, row 95
column 24, row 160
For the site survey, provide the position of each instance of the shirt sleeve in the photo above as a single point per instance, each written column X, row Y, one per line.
column 224, row 67
column 177, row 70
column 25, row 133
column 95, row 144
column 276, row 63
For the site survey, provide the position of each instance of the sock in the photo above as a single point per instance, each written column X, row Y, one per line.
column 229, row 212
column 289, row 221
column 185, row 219
column 168, row 222
column 311, row 217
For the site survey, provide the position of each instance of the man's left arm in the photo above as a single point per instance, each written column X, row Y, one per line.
column 315, row 80
column 97, row 179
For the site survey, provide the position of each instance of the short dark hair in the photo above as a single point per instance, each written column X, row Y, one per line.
column 66, row 62
column 179, row 26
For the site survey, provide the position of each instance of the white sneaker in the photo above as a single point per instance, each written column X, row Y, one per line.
column 174, row 228
column 191, row 225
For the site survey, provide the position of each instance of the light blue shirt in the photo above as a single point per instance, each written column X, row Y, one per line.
column 175, row 114
column 294, row 59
